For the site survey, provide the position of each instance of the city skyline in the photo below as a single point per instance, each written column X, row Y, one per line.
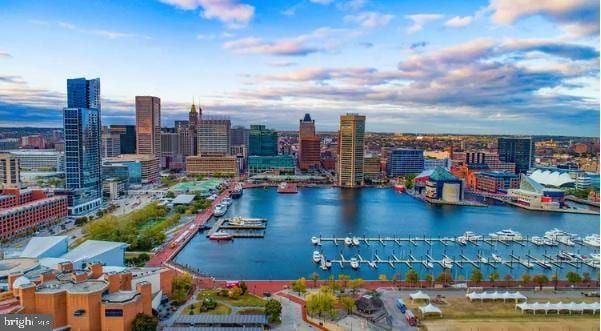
column 480, row 67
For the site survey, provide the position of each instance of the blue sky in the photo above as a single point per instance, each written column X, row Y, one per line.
column 498, row 66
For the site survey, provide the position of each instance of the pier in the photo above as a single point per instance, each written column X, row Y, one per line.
column 254, row 230
column 445, row 241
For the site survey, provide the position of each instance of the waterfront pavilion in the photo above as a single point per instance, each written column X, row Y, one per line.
column 430, row 309
column 203, row 187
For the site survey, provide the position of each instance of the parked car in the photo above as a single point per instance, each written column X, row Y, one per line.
column 401, row 305
column 591, row 294
column 410, row 318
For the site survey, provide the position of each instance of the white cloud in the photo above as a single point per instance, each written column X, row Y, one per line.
column 457, row 22
column 322, row 2
column 5, row 55
column 369, row 20
column 101, row 32
column 282, row 63
column 231, row 12
column 579, row 17
column 419, row 20
column 352, row 5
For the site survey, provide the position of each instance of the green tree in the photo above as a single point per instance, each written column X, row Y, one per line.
column 234, row 293
column 409, row 181
column 344, row 279
column 299, row 285
column 243, row 287
column 526, row 278
column 411, row 277
column 314, row 277
column 144, row 322
column 540, row 279
column 586, row 277
column 170, row 195
column 322, row 302
column 180, row 287
column 493, row 277
column 444, row 277
column 573, row 277
column 476, row 276
column 429, row 279
column 348, row 303
column 507, row 278
column 382, row 278
column 355, row 284
column 273, row 310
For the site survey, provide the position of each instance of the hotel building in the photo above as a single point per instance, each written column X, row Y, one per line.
column 402, row 161
column 148, row 125
column 214, row 136
column 350, row 150
column 9, row 171
column 24, row 210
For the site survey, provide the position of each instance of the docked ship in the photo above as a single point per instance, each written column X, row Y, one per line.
column 399, row 185
column 241, row 221
column 221, row 235
column 316, row 256
column 561, row 237
column 592, row 240
column 506, row 235
column 227, row 201
column 287, row 188
column 354, row 263
column 236, row 192
column 468, row 236
column 219, row 210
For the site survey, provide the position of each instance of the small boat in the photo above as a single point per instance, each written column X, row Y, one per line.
column 219, row 210
column 483, row 260
column 561, row 236
column 537, row 240
column 399, row 187
column 447, row 263
column 550, row 242
column 287, row 188
column 506, row 235
column 596, row 256
column 354, row 263
column 355, row 241
column 429, row 264
column 566, row 241
column 468, row 236
column 372, row 264
column 236, row 192
column 328, row 264
column 497, row 258
column 315, row 240
column 568, row 256
column 227, row 201
column 348, row 241
column 221, row 235
column 316, row 256
column 592, row 240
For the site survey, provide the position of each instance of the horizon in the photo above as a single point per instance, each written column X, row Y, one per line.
column 478, row 68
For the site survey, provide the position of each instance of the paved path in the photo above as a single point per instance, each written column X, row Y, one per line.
column 301, row 302
column 291, row 316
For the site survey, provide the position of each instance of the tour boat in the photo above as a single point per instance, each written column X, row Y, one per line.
column 227, row 201
column 219, row 210
column 348, row 241
column 506, row 235
column 287, row 188
column 468, row 236
column 447, row 263
column 592, row 240
column 354, row 263
column 239, row 221
column 316, row 256
column 315, row 240
column 537, row 240
column 221, row 235
column 355, row 241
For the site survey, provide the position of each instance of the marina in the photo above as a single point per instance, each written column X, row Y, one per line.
column 389, row 232
column 238, row 227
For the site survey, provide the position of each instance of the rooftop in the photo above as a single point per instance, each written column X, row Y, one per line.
column 120, row 296
column 497, row 174
column 91, row 248
column 183, row 199
column 130, row 157
column 17, row 265
column 440, row 174
column 37, row 246
column 221, row 319
column 90, row 285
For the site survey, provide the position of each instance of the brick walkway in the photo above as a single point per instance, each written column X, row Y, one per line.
column 303, row 309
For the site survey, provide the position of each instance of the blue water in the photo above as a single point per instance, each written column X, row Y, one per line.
column 286, row 250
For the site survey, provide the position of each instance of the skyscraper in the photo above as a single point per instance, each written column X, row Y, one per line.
column 309, row 144
column 148, row 125
column 517, row 150
column 193, row 118
column 127, row 137
column 82, row 132
column 350, row 150
column 214, row 136
column 262, row 141
column 404, row 161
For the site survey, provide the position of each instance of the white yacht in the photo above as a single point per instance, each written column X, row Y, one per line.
column 354, row 263
column 596, row 256
column 355, row 241
column 537, row 240
column 550, row 242
column 506, row 235
column 497, row 258
column 592, row 240
column 468, row 236
column 219, row 210
column 561, row 236
column 316, row 256
column 348, row 241
column 315, row 240
column 447, row 263
column 227, row 201
column 328, row 264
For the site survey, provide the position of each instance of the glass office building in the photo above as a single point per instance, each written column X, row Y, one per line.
column 82, row 133
column 262, row 141
column 402, row 161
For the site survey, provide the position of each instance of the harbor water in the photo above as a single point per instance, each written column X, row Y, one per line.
column 286, row 250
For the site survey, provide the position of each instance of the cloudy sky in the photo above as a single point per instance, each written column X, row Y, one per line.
column 490, row 66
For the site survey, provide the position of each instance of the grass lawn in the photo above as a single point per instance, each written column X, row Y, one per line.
column 246, row 300
column 251, row 311
column 461, row 308
column 219, row 310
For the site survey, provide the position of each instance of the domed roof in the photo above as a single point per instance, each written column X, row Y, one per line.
column 21, row 282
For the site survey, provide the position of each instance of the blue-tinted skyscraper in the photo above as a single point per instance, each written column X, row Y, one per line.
column 82, row 132
column 402, row 161
column 519, row 150
column 262, row 141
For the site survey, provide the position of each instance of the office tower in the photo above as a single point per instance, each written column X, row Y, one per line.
column 309, row 144
column 517, row 150
column 111, row 144
column 240, row 136
column 214, row 136
column 170, row 144
column 350, row 150
column 187, row 137
column 9, row 171
column 148, row 125
column 403, row 161
column 127, row 137
column 82, row 133
column 8, row 144
column 193, row 118
column 262, row 141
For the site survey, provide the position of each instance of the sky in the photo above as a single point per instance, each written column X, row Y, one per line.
column 445, row 66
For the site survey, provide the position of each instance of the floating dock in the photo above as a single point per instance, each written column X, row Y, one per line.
column 446, row 241
column 254, row 230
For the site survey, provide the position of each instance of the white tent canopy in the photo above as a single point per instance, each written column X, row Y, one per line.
column 419, row 295
column 495, row 296
column 559, row 307
column 430, row 309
